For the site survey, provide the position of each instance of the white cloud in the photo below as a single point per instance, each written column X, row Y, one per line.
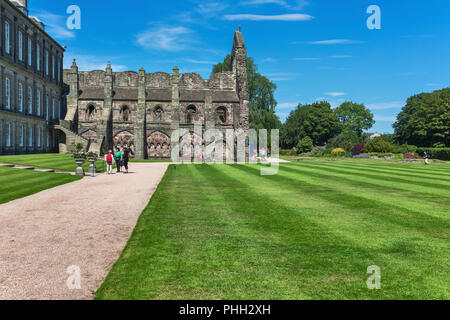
column 55, row 25
column 306, row 59
column 386, row 105
column 299, row 4
column 336, row 41
column 166, row 38
column 335, row 94
column 258, row 17
column 269, row 60
column 211, row 9
column 287, row 105
column 89, row 63
column 200, row 61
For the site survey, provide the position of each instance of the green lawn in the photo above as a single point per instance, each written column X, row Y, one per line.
column 310, row 232
column 55, row 161
column 19, row 183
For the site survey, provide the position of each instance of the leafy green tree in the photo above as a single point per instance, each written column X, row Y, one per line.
column 378, row 145
column 305, row 145
column 317, row 121
column 262, row 102
column 425, row 120
column 354, row 117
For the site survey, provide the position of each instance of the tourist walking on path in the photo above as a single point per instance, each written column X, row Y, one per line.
column 127, row 152
column 119, row 158
column 427, row 158
column 109, row 158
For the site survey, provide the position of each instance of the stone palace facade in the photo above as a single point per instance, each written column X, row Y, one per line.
column 139, row 109
column 31, row 82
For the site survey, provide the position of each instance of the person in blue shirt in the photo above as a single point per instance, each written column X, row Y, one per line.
column 427, row 158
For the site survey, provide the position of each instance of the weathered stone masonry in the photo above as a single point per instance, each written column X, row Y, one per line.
column 106, row 109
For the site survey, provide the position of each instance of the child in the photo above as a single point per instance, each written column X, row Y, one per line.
column 109, row 162
column 427, row 158
column 119, row 158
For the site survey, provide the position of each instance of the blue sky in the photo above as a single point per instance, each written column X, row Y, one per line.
column 313, row 49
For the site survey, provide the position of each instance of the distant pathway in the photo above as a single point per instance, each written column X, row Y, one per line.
column 85, row 223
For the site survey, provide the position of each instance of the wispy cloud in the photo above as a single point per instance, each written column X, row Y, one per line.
column 166, row 38
column 90, row 62
column 386, row 105
column 335, row 94
column 411, row 73
column 281, row 76
column 269, row 60
column 332, row 41
column 55, row 25
column 298, row 4
column 258, row 17
column 341, row 57
column 211, row 9
column 199, row 61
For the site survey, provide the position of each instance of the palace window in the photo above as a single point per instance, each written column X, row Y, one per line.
column 30, row 137
column 47, row 108
column 54, row 108
column 158, row 113
column 20, row 97
column 125, row 113
column 38, row 138
column 221, row 115
column 30, row 100
column 29, row 52
column 21, row 135
column 8, row 93
column 8, row 135
column 191, row 111
column 90, row 113
column 38, row 57
column 46, row 63
column 53, row 67
column 38, row 102
column 20, row 45
column 7, row 38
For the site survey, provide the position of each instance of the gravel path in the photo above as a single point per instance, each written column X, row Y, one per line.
column 85, row 224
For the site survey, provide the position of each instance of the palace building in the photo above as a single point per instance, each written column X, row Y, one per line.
column 139, row 109
column 31, row 82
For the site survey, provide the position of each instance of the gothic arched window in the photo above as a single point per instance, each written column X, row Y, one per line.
column 90, row 112
column 158, row 113
column 221, row 115
column 125, row 113
column 190, row 114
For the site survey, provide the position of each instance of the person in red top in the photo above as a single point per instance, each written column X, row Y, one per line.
column 109, row 158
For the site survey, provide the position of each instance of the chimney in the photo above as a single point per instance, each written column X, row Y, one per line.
column 23, row 3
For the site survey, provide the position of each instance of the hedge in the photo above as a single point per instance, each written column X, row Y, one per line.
column 436, row 153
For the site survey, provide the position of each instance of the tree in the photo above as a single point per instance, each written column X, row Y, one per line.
column 262, row 102
column 378, row 145
column 317, row 121
column 354, row 117
column 425, row 120
column 305, row 145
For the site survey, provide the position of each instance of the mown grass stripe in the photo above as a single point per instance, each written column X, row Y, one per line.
column 385, row 177
column 376, row 169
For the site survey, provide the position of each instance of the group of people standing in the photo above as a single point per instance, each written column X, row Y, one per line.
column 121, row 157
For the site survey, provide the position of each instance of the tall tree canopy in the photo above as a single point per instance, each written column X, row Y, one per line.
column 425, row 120
column 354, row 117
column 261, row 92
column 317, row 121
